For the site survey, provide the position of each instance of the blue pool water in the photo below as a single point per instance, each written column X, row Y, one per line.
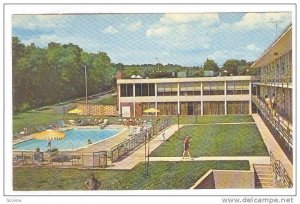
column 74, row 139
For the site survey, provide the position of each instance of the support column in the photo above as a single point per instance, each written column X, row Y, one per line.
column 225, row 93
column 178, row 95
column 250, row 101
column 119, row 98
column 133, row 100
column 201, row 98
column 155, row 89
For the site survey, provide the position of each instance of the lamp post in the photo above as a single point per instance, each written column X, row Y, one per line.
column 86, row 104
column 178, row 125
column 157, row 63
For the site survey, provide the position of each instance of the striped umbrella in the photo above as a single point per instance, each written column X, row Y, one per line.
column 76, row 110
column 49, row 135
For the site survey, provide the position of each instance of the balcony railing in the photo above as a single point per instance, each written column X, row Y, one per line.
column 283, row 80
column 280, row 172
column 283, row 127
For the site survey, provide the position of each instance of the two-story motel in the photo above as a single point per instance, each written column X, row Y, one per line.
column 185, row 96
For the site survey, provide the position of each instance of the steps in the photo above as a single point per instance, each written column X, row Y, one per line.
column 263, row 176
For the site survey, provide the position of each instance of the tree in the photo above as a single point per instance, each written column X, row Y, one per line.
column 210, row 65
column 231, row 66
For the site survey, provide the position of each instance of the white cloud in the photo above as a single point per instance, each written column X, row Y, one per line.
column 222, row 55
column 204, row 19
column 180, row 23
column 252, row 47
column 135, row 26
column 32, row 22
column 158, row 31
column 110, row 29
column 258, row 20
column 183, row 31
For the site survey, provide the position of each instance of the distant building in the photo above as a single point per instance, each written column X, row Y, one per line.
column 186, row 96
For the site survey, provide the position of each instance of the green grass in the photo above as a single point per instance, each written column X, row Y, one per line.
column 110, row 100
column 212, row 119
column 162, row 175
column 215, row 140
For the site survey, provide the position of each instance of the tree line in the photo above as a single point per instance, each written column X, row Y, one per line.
column 45, row 76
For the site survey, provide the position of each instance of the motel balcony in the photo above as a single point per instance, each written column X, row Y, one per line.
column 278, row 123
column 278, row 80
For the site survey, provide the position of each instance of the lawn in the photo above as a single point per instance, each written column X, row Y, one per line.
column 215, row 140
column 162, row 175
column 207, row 119
column 110, row 100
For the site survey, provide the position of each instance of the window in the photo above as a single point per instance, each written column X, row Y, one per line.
column 237, row 107
column 138, row 89
column 168, row 108
column 213, row 88
column 213, row 108
column 167, row 89
column 126, row 90
column 190, row 108
column 237, row 87
column 144, row 90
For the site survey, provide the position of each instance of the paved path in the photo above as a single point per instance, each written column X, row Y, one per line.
column 241, row 123
column 272, row 145
column 251, row 159
column 139, row 155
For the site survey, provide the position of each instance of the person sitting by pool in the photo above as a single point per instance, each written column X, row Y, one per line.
column 89, row 141
column 38, row 155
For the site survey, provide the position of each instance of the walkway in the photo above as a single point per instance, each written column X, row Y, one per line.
column 272, row 145
column 139, row 155
column 251, row 159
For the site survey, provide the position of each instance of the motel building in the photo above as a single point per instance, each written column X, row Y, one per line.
column 228, row 95
column 185, row 96
column 275, row 78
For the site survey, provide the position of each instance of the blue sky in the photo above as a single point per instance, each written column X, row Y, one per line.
column 185, row 39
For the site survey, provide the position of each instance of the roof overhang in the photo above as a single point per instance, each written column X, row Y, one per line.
column 281, row 46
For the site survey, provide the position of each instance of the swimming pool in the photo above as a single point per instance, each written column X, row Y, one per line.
column 74, row 139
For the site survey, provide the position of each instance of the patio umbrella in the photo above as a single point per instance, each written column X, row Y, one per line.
column 49, row 135
column 152, row 110
column 76, row 110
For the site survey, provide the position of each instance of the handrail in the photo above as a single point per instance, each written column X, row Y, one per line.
column 280, row 172
column 283, row 79
column 284, row 131
column 130, row 144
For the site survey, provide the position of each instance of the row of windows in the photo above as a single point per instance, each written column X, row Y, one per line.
column 186, row 88
column 194, row 108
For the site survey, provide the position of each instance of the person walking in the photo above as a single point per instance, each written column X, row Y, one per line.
column 92, row 183
column 186, row 147
column 268, row 102
column 274, row 103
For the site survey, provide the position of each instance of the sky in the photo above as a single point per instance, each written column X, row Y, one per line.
column 169, row 38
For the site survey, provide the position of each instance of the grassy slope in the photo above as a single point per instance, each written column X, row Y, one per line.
column 216, row 140
column 162, row 175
